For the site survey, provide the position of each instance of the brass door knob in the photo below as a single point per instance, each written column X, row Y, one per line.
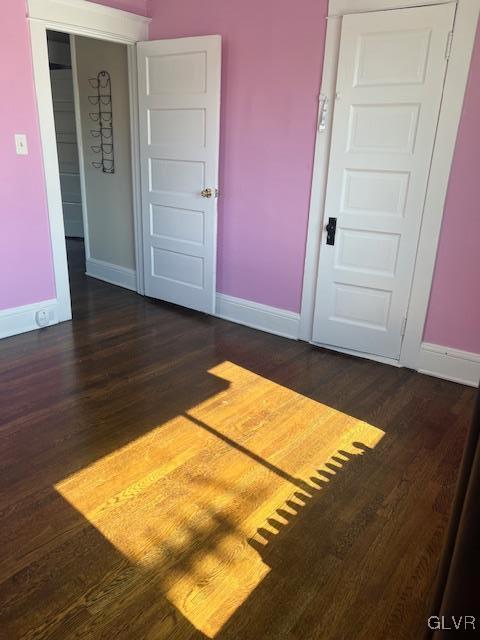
column 209, row 193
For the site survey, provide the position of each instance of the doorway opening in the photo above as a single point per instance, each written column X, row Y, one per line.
column 174, row 125
column 91, row 105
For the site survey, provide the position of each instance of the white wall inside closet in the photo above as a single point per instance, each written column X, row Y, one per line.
column 109, row 237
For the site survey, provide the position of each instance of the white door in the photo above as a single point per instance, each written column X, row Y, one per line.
column 389, row 87
column 179, row 112
column 67, row 149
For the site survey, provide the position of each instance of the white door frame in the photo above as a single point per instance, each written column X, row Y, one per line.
column 465, row 27
column 79, row 17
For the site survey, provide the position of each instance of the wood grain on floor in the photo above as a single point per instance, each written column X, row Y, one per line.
column 166, row 474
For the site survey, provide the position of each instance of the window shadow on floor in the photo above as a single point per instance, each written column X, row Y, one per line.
column 129, row 372
column 81, row 586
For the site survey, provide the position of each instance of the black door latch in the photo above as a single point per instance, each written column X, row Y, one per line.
column 331, row 229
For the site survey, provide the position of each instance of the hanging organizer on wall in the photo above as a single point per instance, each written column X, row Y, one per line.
column 104, row 117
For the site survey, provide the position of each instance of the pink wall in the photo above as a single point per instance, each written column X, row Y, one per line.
column 26, row 266
column 25, row 256
column 454, row 312
column 270, row 82
column 272, row 59
column 271, row 74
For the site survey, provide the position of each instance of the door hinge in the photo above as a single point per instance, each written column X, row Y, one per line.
column 404, row 326
column 448, row 47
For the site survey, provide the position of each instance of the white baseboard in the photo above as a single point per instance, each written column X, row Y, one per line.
column 22, row 319
column 258, row 316
column 112, row 273
column 450, row 364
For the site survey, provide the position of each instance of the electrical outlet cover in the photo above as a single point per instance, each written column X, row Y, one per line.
column 21, row 144
column 42, row 318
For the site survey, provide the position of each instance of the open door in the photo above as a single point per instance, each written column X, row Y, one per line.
column 179, row 115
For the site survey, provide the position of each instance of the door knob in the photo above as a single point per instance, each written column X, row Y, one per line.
column 209, row 193
column 331, row 229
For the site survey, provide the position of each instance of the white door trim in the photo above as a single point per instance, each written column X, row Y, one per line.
column 89, row 19
column 343, row 7
column 135, row 152
column 450, row 113
column 75, row 17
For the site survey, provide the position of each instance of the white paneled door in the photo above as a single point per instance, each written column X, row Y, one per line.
column 179, row 112
column 389, row 87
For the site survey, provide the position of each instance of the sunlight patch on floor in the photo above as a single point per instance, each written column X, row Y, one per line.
column 184, row 501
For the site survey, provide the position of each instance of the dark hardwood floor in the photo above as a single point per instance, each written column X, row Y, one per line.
column 165, row 474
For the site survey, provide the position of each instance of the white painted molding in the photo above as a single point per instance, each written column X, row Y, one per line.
column 344, row 7
column 22, row 319
column 258, row 316
column 456, row 78
column 90, row 19
column 135, row 156
column 41, row 72
column 450, row 364
column 454, row 90
column 319, row 180
column 112, row 273
column 75, row 17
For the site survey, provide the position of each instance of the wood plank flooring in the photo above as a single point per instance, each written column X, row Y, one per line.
column 168, row 475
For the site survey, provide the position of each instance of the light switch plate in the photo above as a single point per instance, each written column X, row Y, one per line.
column 21, row 144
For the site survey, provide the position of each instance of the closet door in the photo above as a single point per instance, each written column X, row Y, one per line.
column 389, row 88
